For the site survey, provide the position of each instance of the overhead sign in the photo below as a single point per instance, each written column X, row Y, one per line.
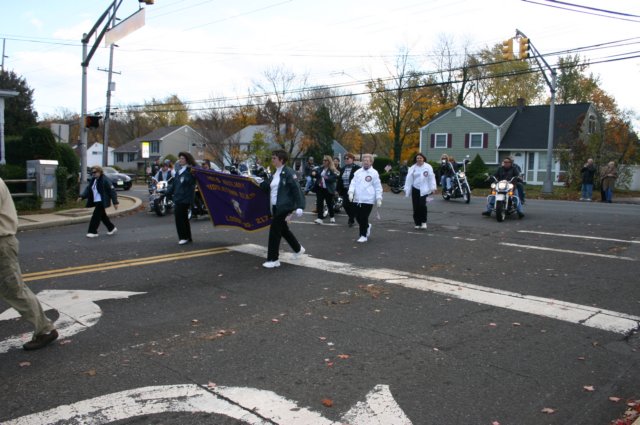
column 126, row 27
column 145, row 150
column 247, row 405
column 77, row 309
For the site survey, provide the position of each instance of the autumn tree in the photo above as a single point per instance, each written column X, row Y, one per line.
column 168, row 112
column 320, row 130
column 573, row 85
column 19, row 112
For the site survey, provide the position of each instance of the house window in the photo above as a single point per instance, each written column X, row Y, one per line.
column 592, row 124
column 154, row 146
column 475, row 140
column 441, row 141
column 131, row 157
column 96, row 153
column 119, row 157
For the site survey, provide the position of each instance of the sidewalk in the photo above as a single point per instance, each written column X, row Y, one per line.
column 78, row 215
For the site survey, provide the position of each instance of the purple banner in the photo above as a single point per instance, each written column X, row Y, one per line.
column 233, row 200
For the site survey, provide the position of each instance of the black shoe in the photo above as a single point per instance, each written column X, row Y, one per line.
column 41, row 341
column 350, row 223
column 487, row 213
column 520, row 215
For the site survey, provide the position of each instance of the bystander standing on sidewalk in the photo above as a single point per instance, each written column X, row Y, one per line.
column 588, row 172
column 12, row 289
column 99, row 194
column 609, row 176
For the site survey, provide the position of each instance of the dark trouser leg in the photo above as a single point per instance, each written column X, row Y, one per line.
column 320, row 196
column 96, row 217
column 279, row 228
column 362, row 216
column 348, row 206
column 329, row 198
column 105, row 220
column 181, row 213
column 419, row 207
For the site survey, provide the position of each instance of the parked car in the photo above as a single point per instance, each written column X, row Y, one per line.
column 118, row 179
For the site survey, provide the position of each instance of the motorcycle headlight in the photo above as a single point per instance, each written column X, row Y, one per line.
column 503, row 185
column 493, row 186
column 461, row 174
column 510, row 186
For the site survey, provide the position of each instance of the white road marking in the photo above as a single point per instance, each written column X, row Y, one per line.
column 546, row 307
column 248, row 405
column 568, row 251
column 77, row 310
column 564, row 235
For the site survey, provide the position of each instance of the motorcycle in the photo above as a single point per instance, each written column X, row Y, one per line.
column 337, row 205
column 198, row 207
column 459, row 185
column 158, row 200
column 396, row 183
column 506, row 201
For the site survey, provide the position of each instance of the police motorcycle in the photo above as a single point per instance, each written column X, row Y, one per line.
column 159, row 202
column 506, row 198
column 459, row 185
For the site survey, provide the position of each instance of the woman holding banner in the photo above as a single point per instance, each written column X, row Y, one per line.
column 285, row 198
column 182, row 189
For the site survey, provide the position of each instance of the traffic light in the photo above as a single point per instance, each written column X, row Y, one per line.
column 146, row 1
column 524, row 48
column 92, row 121
column 507, row 49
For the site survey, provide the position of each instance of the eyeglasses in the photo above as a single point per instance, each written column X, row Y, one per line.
column 94, row 171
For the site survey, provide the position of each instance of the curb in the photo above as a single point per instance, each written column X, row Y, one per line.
column 63, row 218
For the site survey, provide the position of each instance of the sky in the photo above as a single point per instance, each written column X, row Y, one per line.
column 204, row 49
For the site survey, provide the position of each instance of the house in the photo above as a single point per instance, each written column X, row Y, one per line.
column 241, row 142
column 162, row 142
column 520, row 132
column 94, row 154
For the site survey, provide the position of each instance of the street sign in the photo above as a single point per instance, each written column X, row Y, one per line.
column 145, row 150
column 124, row 28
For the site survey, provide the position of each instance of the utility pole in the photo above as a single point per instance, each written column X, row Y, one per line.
column 107, row 117
column 4, row 40
column 525, row 45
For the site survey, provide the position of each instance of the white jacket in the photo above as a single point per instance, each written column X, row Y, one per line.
column 365, row 186
column 420, row 177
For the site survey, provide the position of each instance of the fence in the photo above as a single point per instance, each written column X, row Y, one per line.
column 23, row 194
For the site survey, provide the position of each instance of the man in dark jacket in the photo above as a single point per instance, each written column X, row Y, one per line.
column 588, row 172
column 344, row 180
column 505, row 172
column 99, row 194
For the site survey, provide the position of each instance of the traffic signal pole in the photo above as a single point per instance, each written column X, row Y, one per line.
column 547, row 187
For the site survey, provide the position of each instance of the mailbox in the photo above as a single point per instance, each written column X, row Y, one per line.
column 46, row 185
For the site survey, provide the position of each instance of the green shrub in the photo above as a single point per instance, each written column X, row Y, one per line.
column 33, row 203
column 39, row 143
column 476, row 173
column 380, row 162
column 68, row 158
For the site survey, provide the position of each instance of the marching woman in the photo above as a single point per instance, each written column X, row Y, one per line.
column 420, row 183
column 365, row 189
column 183, row 189
column 285, row 198
column 325, row 187
column 99, row 194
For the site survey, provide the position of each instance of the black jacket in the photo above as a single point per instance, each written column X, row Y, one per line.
column 290, row 195
column 340, row 183
column 507, row 174
column 183, row 187
column 105, row 189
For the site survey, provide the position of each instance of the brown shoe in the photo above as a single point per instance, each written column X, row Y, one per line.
column 41, row 341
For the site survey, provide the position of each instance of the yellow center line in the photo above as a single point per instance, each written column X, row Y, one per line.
column 92, row 268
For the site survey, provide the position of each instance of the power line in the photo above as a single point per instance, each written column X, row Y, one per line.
column 585, row 12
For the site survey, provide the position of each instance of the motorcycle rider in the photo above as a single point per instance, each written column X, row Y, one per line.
column 447, row 170
column 344, row 180
column 165, row 172
column 505, row 172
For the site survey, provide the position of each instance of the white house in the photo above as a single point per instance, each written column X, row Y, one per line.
column 94, row 154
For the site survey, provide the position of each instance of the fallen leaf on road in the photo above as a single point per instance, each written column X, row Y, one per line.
column 515, row 324
column 495, row 423
column 589, row 388
column 548, row 410
column 327, row 402
column 64, row 342
column 614, row 399
column 581, row 358
column 24, row 364
column 223, row 297
column 275, row 320
column 91, row 372
column 493, row 324
column 322, row 338
column 211, row 385
column 343, row 356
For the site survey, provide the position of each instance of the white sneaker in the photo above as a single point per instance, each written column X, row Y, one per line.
column 271, row 264
column 369, row 230
column 423, row 226
column 92, row 235
column 183, row 241
column 417, row 227
column 319, row 221
column 299, row 254
column 332, row 220
column 362, row 239
column 113, row 232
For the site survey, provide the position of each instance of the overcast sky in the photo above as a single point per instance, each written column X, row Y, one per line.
column 199, row 49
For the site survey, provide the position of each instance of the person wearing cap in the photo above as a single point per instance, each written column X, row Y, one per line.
column 505, row 172
column 344, row 180
column 13, row 291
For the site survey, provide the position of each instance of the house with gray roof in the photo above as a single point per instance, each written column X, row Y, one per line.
column 162, row 142
column 519, row 131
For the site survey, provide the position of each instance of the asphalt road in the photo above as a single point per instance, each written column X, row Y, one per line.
column 470, row 322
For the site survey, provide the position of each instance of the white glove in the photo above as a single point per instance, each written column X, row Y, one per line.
column 350, row 196
column 299, row 212
column 379, row 203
